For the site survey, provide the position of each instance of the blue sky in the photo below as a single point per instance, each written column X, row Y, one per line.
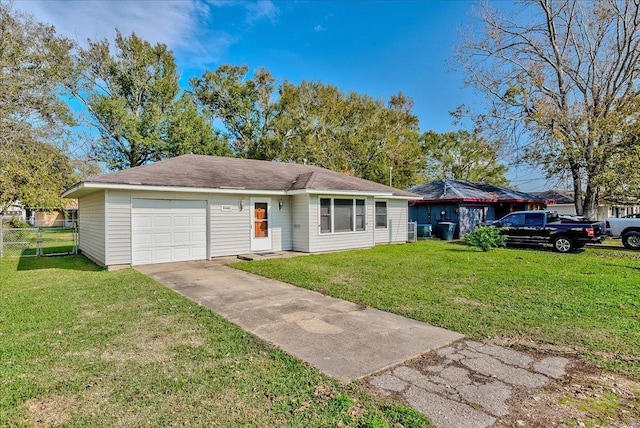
column 375, row 47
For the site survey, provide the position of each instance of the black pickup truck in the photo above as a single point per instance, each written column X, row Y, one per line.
column 543, row 227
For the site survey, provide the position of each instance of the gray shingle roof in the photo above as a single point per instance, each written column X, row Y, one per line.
column 244, row 174
column 552, row 195
column 456, row 190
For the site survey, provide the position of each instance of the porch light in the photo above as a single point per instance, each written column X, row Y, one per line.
column 241, row 204
column 280, row 204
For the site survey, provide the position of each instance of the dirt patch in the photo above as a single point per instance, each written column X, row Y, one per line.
column 150, row 341
column 50, row 411
column 585, row 397
column 463, row 301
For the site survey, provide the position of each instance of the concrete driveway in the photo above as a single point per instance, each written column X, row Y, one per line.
column 342, row 339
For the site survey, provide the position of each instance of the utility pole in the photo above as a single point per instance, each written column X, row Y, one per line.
column 390, row 176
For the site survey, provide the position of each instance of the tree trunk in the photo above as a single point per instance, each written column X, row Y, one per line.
column 590, row 203
column 577, row 189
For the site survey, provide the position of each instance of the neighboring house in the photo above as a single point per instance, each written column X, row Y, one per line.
column 14, row 210
column 466, row 204
column 561, row 202
column 197, row 207
column 564, row 204
column 67, row 217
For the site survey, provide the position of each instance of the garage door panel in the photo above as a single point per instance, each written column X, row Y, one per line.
column 142, row 221
column 181, row 237
column 162, row 220
column 181, row 221
column 162, row 238
column 168, row 230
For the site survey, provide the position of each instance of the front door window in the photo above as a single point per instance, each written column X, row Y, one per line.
column 260, row 220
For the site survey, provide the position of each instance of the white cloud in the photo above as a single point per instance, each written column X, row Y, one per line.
column 256, row 10
column 187, row 27
column 319, row 28
column 158, row 21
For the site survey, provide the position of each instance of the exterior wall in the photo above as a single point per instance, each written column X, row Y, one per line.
column 229, row 225
column 118, row 227
column 566, row 209
column 319, row 242
column 465, row 218
column 397, row 219
column 91, row 226
column 605, row 211
column 281, row 224
column 105, row 224
column 49, row 219
column 300, row 223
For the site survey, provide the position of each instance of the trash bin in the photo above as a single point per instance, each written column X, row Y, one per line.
column 424, row 231
column 446, row 230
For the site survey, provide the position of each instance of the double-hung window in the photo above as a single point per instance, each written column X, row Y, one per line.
column 381, row 215
column 342, row 215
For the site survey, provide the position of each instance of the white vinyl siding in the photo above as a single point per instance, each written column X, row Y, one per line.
column 230, row 227
column 281, row 224
column 319, row 241
column 118, row 222
column 397, row 218
column 91, row 226
column 300, row 225
column 106, row 230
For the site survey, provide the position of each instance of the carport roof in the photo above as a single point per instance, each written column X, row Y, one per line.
column 466, row 191
column 211, row 173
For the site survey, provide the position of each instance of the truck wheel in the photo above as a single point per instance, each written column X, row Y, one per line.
column 631, row 240
column 562, row 244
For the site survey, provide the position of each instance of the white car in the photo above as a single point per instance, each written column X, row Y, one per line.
column 626, row 228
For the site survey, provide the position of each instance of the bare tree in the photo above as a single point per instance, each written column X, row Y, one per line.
column 561, row 79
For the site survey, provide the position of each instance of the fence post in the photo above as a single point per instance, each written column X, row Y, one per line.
column 39, row 251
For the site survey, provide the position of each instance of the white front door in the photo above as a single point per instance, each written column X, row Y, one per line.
column 260, row 224
column 168, row 231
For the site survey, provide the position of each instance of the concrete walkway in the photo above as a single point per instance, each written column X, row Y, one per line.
column 461, row 384
column 468, row 384
column 340, row 338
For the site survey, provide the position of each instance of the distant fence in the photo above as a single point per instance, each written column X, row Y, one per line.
column 412, row 231
column 37, row 241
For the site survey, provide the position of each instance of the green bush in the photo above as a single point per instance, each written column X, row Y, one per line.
column 486, row 237
column 16, row 223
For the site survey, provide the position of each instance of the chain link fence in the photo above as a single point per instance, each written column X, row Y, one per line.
column 38, row 241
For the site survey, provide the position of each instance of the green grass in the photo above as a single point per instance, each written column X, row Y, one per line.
column 83, row 347
column 586, row 302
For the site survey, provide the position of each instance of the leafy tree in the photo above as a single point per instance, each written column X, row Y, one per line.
column 350, row 133
column 189, row 131
column 461, row 156
column 132, row 97
column 33, row 61
column 560, row 77
column 313, row 123
column 242, row 104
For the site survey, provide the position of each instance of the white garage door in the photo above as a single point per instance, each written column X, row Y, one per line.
column 168, row 231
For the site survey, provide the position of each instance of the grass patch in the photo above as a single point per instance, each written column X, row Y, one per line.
column 586, row 302
column 80, row 346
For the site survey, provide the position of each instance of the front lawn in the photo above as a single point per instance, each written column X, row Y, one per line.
column 586, row 303
column 80, row 346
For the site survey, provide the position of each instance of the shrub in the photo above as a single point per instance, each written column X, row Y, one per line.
column 486, row 237
column 16, row 223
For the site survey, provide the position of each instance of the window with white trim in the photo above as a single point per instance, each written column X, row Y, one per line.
column 342, row 215
column 325, row 215
column 381, row 214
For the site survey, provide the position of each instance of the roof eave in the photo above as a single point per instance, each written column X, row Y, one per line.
column 87, row 187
